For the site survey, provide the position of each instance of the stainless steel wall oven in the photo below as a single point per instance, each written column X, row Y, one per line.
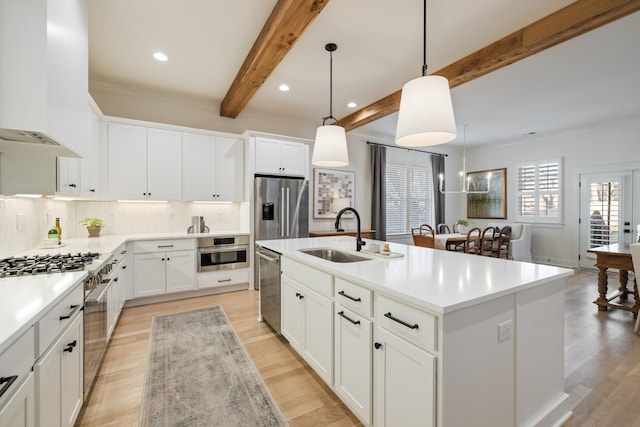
column 223, row 253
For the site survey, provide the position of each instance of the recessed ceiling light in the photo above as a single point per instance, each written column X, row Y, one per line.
column 283, row 87
column 160, row 56
column 352, row 105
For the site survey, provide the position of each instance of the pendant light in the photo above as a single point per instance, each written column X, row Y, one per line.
column 330, row 147
column 426, row 113
column 464, row 184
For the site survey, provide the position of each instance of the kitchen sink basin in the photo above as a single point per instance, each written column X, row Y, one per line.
column 334, row 255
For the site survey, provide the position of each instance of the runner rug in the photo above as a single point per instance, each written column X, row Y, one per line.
column 199, row 374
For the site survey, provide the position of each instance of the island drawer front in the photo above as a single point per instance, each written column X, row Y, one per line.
column 56, row 319
column 146, row 246
column 416, row 326
column 354, row 296
column 319, row 281
column 17, row 360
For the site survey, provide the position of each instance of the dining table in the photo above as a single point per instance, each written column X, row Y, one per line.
column 616, row 256
column 442, row 241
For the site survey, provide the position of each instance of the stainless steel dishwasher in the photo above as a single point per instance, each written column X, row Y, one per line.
column 269, row 279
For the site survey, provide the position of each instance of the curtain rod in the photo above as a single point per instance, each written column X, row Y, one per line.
column 409, row 149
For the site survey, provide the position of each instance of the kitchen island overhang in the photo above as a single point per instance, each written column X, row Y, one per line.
column 499, row 336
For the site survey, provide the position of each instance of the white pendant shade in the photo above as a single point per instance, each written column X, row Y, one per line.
column 426, row 113
column 330, row 147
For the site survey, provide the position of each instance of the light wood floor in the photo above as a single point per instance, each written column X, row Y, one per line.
column 602, row 363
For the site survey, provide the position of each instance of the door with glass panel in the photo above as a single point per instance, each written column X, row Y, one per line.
column 605, row 212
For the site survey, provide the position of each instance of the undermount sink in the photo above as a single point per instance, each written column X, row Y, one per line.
column 334, row 255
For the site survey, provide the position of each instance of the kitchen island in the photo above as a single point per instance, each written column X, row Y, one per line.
column 429, row 337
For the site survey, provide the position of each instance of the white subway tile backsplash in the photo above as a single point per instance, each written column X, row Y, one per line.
column 24, row 223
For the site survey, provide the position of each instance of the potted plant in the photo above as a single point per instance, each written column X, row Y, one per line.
column 462, row 225
column 94, row 226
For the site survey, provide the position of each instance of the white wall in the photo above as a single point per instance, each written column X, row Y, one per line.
column 600, row 147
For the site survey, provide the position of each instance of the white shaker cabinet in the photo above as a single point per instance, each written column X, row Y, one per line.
column 163, row 266
column 144, row 163
column 307, row 315
column 59, row 378
column 90, row 166
column 404, row 381
column 68, row 176
column 278, row 157
column 213, row 168
column 19, row 410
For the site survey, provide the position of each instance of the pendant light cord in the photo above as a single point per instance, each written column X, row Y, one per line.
column 330, row 47
column 424, row 39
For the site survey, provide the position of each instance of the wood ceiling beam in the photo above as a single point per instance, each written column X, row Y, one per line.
column 569, row 22
column 288, row 20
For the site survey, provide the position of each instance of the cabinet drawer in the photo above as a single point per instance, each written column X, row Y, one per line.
column 223, row 278
column 145, row 246
column 56, row 319
column 318, row 281
column 17, row 360
column 354, row 297
column 416, row 326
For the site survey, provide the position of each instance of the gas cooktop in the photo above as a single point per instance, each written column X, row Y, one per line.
column 43, row 264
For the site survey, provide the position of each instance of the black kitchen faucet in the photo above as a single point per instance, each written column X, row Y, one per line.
column 359, row 242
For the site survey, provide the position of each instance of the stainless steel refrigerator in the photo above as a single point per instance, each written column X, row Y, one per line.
column 281, row 212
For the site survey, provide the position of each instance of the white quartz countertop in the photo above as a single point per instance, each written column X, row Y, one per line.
column 436, row 280
column 23, row 300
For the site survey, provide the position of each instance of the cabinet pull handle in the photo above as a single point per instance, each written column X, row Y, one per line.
column 124, row 267
column 71, row 311
column 224, row 280
column 350, row 297
column 377, row 345
column 402, row 322
column 165, row 246
column 344, row 316
column 299, row 295
column 93, row 190
column 72, row 185
column 7, row 381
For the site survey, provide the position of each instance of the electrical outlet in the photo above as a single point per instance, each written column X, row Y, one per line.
column 505, row 330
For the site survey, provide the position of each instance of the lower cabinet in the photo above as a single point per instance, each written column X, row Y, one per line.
column 164, row 271
column 59, row 378
column 353, row 359
column 404, row 381
column 20, row 409
column 307, row 323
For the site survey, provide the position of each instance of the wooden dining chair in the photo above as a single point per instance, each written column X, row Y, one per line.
column 443, row 229
column 487, row 240
column 635, row 259
column 472, row 245
column 502, row 243
column 424, row 236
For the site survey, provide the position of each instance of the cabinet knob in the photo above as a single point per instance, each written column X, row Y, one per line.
column 377, row 345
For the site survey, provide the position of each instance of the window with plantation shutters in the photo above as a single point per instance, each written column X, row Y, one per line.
column 539, row 197
column 409, row 197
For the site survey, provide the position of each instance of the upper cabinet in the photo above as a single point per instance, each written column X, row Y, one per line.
column 280, row 157
column 144, row 163
column 44, row 93
column 212, row 168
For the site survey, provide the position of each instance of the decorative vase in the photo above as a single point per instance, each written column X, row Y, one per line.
column 94, row 231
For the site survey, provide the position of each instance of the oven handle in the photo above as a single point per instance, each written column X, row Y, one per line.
column 101, row 291
column 216, row 249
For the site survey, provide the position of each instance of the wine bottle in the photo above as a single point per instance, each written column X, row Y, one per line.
column 59, row 230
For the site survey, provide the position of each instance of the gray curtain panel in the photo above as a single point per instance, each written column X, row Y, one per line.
column 378, row 191
column 437, row 167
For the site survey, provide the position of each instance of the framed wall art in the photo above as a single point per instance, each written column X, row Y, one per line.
column 492, row 205
column 332, row 191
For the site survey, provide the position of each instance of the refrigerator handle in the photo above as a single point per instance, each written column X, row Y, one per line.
column 287, row 214
column 283, row 224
